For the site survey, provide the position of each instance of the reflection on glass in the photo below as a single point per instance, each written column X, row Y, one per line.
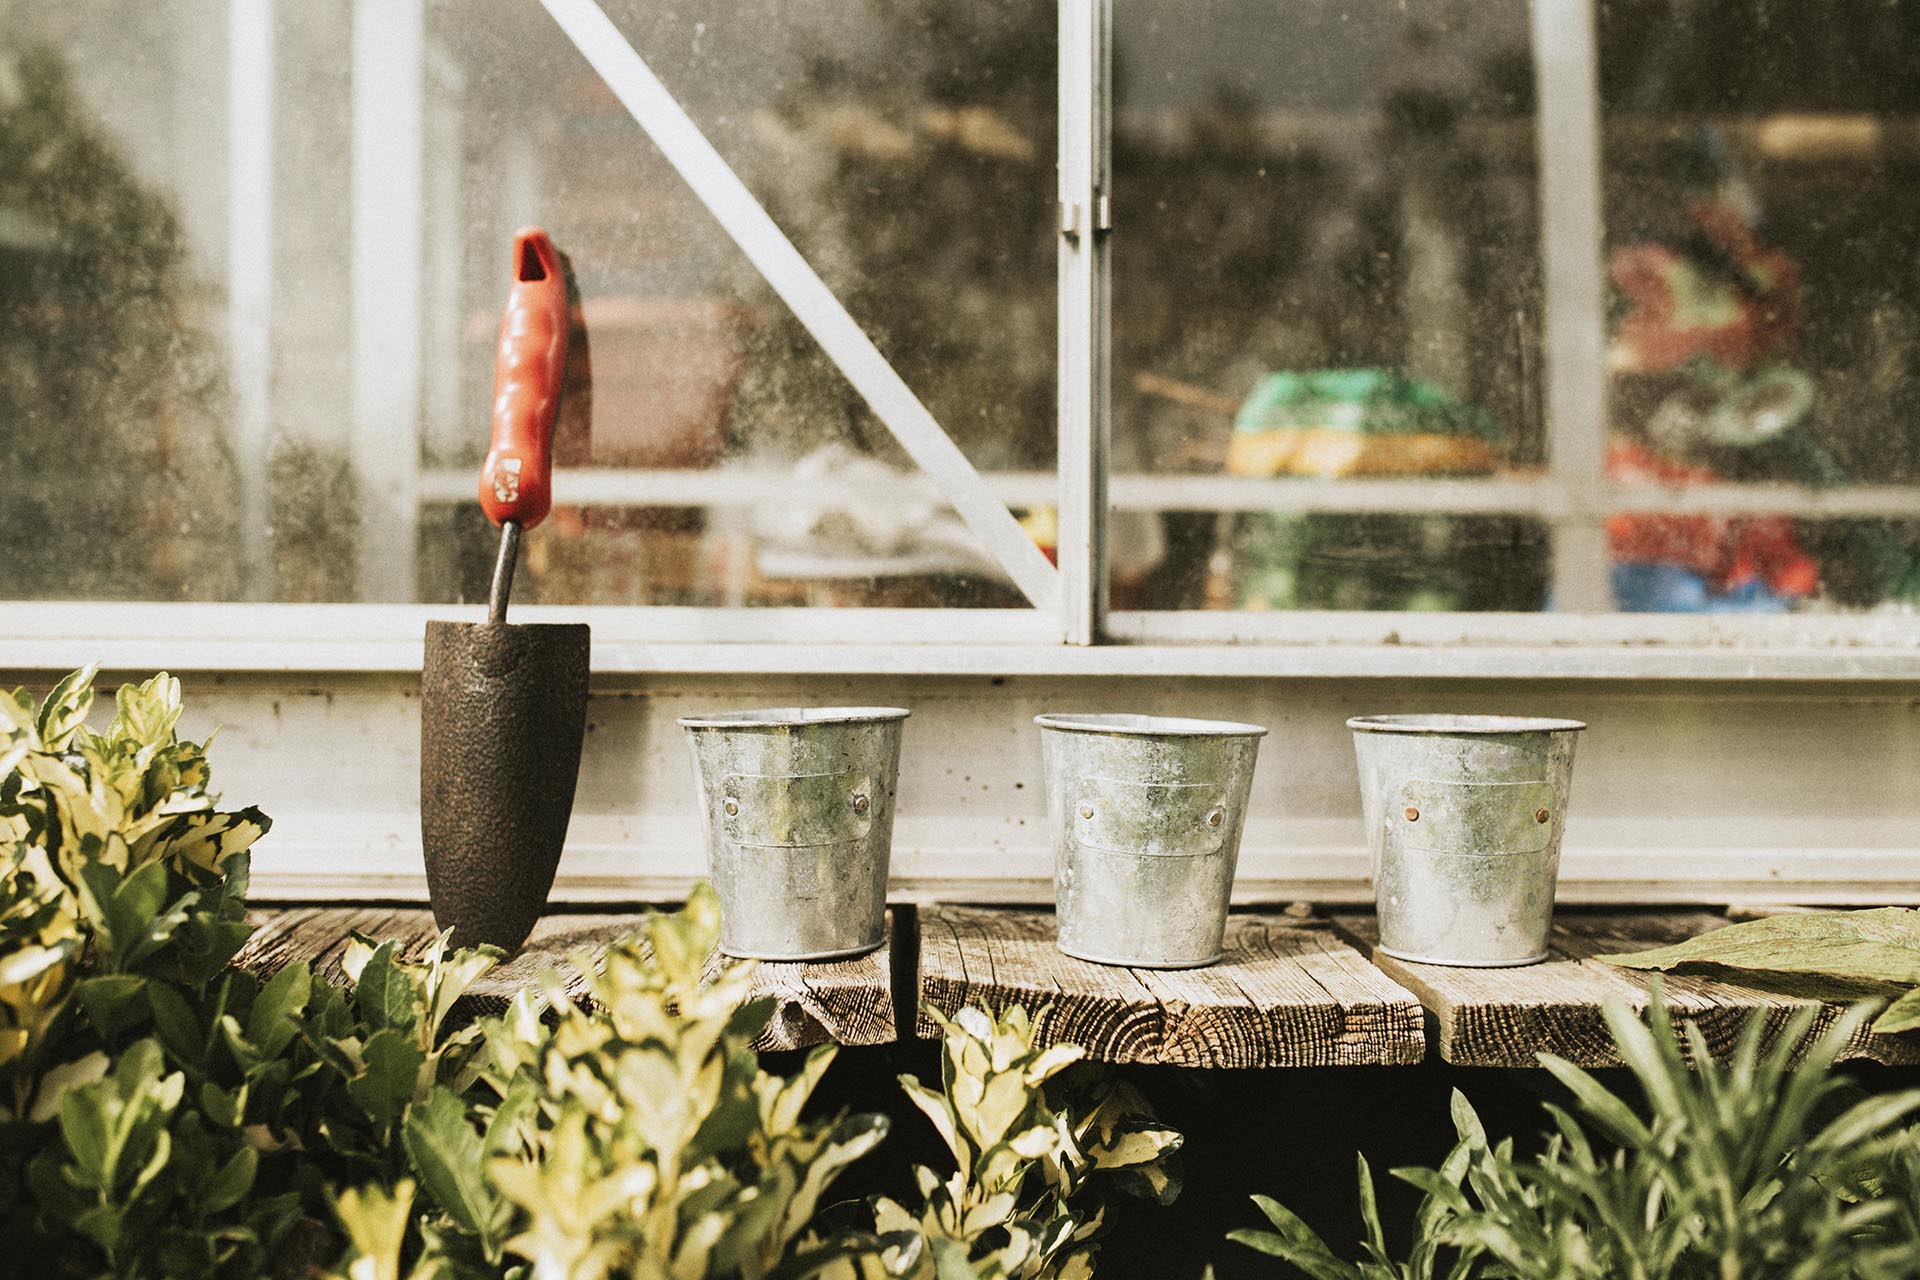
column 112, row 389
column 1423, row 563
column 1325, row 267
column 906, row 149
column 1761, row 215
column 1327, row 281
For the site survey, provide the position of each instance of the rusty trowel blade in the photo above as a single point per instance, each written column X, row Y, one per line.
column 503, row 709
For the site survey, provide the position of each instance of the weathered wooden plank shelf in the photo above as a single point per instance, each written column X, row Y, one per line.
column 1295, row 989
column 1290, row 993
column 1505, row 1017
column 848, row 1001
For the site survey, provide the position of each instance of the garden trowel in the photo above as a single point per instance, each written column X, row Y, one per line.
column 503, row 706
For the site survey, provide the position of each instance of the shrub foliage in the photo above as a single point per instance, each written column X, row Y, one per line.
column 164, row 1113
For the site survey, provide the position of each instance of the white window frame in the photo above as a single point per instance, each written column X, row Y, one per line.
column 392, row 63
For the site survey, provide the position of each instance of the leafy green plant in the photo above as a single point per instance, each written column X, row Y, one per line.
column 1431, row 1254
column 110, row 838
column 169, row 1114
column 1878, row 945
column 638, row 1137
column 1032, row 1135
column 164, row 1113
column 1749, row 1168
column 139, row 1106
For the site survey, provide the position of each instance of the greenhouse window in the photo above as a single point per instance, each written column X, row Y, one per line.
column 1219, row 356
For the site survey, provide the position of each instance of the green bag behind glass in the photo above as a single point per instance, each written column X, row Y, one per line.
column 1371, row 422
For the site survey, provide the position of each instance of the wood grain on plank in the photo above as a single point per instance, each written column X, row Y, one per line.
column 1288, row 994
column 1507, row 1017
column 842, row 1001
column 846, row 1001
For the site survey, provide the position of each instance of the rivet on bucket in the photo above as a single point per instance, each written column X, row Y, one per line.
column 1146, row 814
column 798, row 810
column 1468, row 878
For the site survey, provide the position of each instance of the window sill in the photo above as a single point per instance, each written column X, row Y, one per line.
column 386, row 639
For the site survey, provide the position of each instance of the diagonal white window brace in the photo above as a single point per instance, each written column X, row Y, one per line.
column 813, row 304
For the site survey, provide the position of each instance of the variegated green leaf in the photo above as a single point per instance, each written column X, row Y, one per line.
column 376, row 1223
column 934, row 1106
column 1882, row 944
column 1902, row 1015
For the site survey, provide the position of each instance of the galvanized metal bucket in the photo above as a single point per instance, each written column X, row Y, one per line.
column 1146, row 814
column 798, row 807
column 1464, row 816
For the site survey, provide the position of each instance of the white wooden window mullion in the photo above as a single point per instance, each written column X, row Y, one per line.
column 388, row 244
column 1566, row 73
column 1085, row 312
column 251, row 152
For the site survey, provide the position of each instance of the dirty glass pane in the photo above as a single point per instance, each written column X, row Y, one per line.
column 1762, row 200
column 719, row 457
column 1327, row 288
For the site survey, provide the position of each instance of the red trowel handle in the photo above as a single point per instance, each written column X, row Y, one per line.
column 516, row 480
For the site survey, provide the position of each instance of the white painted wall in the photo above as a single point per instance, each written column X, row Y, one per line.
column 1714, row 792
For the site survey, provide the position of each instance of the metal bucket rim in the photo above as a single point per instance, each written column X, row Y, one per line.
column 793, row 717
column 1473, row 725
column 1124, row 725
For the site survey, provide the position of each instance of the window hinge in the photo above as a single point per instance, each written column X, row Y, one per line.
column 1073, row 217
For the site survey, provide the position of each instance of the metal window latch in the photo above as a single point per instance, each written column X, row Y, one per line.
column 1073, row 216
